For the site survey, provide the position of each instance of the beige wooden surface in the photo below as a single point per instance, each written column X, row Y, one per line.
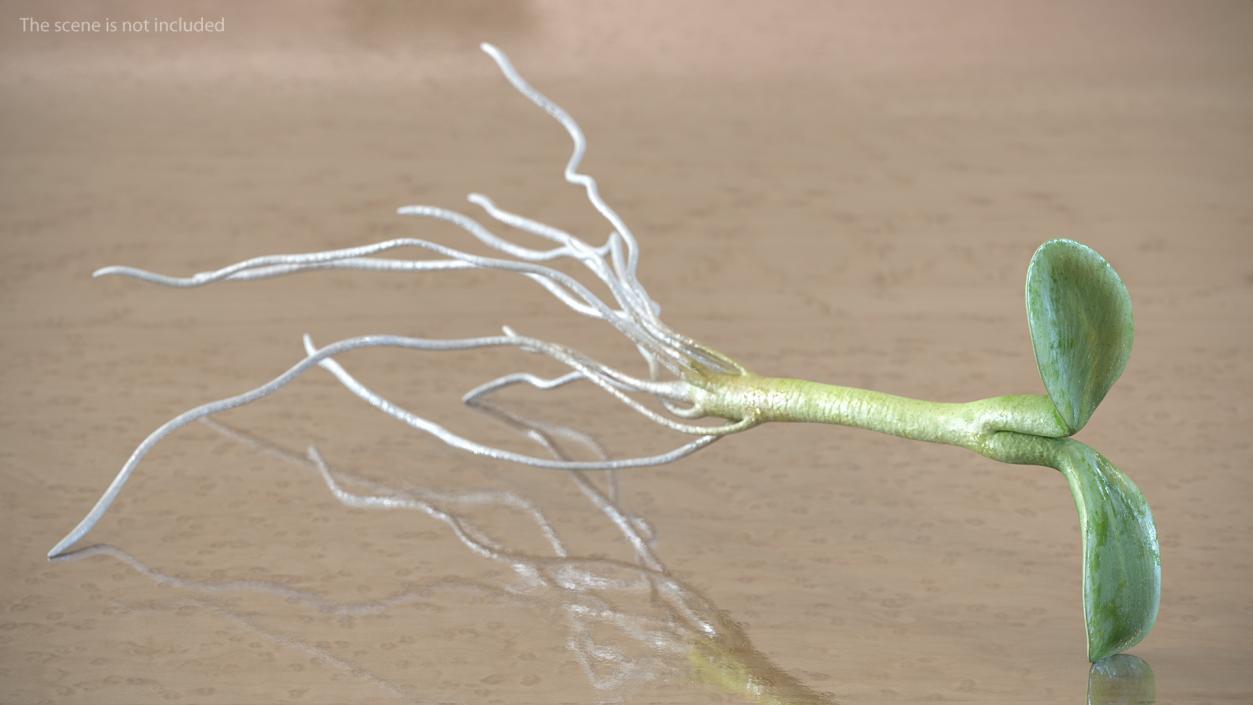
column 846, row 194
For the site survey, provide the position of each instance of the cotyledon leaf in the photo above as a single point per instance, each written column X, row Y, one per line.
column 1122, row 569
column 1081, row 325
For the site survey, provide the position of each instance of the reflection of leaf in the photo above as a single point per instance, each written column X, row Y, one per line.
column 1081, row 325
column 1121, row 679
column 1122, row 570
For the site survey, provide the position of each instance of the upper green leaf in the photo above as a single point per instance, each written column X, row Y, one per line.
column 1079, row 313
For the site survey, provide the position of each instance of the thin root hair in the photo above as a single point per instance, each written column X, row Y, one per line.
column 677, row 366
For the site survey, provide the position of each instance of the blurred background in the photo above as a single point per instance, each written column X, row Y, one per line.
column 848, row 192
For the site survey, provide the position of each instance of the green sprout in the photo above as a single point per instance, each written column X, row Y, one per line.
column 1078, row 312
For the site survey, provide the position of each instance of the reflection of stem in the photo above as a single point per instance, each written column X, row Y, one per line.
column 731, row 663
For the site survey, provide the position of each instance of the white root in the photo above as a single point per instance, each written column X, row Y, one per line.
column 629, row 309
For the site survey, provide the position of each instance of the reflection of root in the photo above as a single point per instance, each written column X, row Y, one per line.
column 615, row 648
column 498, row 497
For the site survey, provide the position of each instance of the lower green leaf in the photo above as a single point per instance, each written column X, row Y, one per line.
column 1122, row 570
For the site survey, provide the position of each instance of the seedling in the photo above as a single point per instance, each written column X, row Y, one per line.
column 1078, row 311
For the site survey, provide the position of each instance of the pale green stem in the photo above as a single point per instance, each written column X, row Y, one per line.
column 978, row 425
column 1122, row 562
